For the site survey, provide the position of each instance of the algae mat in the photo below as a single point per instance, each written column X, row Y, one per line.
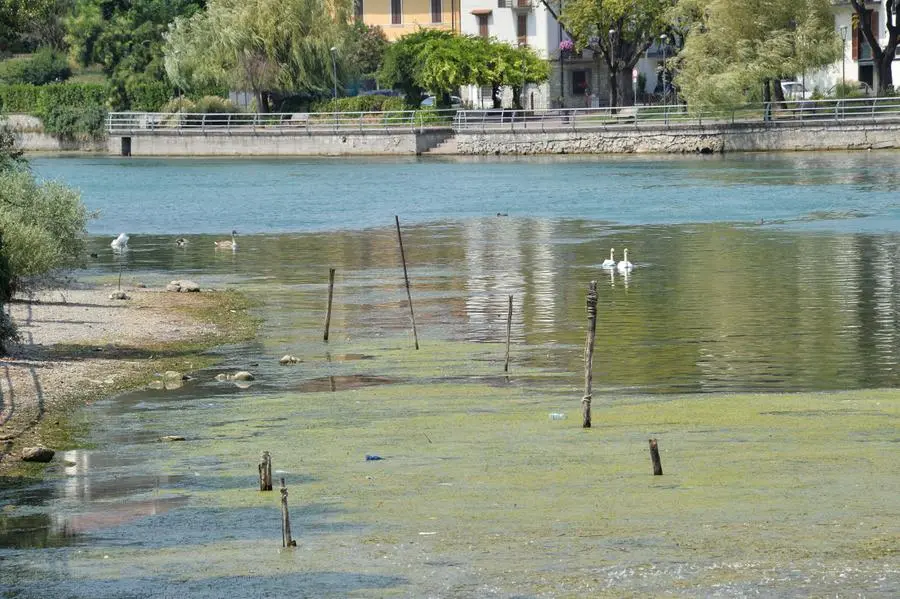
column 480, row 493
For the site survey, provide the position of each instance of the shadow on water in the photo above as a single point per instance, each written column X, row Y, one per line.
column 342, row 383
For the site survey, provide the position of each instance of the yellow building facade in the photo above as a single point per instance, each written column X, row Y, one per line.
column 399, row 17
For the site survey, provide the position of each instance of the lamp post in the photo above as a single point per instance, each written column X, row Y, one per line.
column 613, row 80
column 664, row 42
column 843, row 31
column 334, row 71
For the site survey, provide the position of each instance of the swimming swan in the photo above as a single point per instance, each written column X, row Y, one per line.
column 225, row 243
column 624, row 265
column 120, row 242
column 611, row 261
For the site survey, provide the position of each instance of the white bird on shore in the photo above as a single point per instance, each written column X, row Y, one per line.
column 611, row 261
column 225, row 243
column 624, row 265
column 120, row 242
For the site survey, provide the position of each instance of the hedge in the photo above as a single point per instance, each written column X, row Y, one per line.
column 37, row 100
column 359, row 104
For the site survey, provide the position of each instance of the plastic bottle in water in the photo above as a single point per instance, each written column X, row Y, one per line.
column 557, row 416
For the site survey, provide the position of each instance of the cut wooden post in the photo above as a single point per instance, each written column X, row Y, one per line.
column 654, row 455
column 330, row 296
column 589, row 355
column 286, row 540
column 265, row 472
column 121, row 267
column 412, row 314
column 508, row 333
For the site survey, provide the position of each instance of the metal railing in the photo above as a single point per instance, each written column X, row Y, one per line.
column 773, row 113
column 125, row 123
column 790, row 111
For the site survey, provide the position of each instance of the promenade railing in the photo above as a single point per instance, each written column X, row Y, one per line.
column 857, row 109
column 125, row 123
column 864, row 110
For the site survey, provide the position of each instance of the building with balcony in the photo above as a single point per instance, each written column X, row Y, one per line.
column 399, row 17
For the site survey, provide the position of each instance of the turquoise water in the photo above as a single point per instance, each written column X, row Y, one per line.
column 849, row 192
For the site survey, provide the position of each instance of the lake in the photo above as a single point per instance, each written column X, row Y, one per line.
column 753, row 274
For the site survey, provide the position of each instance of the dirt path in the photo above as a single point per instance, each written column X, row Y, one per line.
column 79, row 344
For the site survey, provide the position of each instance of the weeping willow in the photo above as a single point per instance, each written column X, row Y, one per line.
column 260, row 45
column 737, row 45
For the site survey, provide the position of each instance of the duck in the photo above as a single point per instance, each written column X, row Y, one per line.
column 225, row 243
column 624, row 265
column 181, row 242
column 611, row 261
column 120, row 242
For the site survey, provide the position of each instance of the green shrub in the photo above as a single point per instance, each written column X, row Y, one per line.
column 20, row 98
column 211, row 104
column 76, row 122
column 393, row 103
column 38, row 99
column 353, row 104
column 147, row 96
column 179, row 104
column 45, row 66
column 43, row 227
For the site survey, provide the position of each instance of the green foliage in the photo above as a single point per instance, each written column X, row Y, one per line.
column 43, row 226
column 76, row 122
column 263, row 46
column 29, row 24
column 355, row 104
column 180, row 104
column 403, row 63
column 365, row 48
column 147, row 96
column 11, row 156
column 45, row 66
column 38, row 99
column 735, row 47
column 393, row 104
column 213, row 104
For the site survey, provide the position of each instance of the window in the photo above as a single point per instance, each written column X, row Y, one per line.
column 358, row 5
column 437, row 11
column 483, row 25
column 396, row 12
column 522, row 29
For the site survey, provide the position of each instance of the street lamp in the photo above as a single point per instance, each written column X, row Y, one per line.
column 843, row 31
column 334, row 71
column 614, row 80
column 664, row 42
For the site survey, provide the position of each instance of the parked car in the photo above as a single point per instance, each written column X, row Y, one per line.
column 455, row 102
column 794, row 90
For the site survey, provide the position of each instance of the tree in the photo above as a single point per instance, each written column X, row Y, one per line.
column 881, row 57
column 29, row 24
column 739, row 47
column 264, row 46
column 125, row 38
column 403, row 60
column 365, row 48
column 619, row 31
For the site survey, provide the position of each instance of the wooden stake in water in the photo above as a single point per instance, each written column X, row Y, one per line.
column 412, row 314
column 121, row 266
column 286, row 540
column 654, row 456
column 508, row 333
column 265, row 472
column 589, row 354
column 330, row 295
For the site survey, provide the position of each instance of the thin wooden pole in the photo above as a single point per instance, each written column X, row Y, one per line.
column 121, row 267
column 589, row 354
column 286, row 540
column 265, row 472
column 412, row 314
column 330, row 296
column 654, row 455
column 508, row 332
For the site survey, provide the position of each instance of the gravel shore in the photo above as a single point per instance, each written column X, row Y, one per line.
column 77, row 344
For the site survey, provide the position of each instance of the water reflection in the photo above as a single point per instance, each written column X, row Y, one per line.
column 709, row 307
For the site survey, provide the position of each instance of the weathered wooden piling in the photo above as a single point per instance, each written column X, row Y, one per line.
column 654, row 455
column 589, row 355
column 330, row 296
column 412, row 314
column 121, row 268
column 508, row 332
column 286, row 540
column 265, row 472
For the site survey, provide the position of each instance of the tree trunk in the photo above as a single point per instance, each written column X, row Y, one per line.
column 777, row 91
column 495, row 96
column 627, row 87
column 613, row 88
column 262, row 101
column 517, row 97
column 882, row 71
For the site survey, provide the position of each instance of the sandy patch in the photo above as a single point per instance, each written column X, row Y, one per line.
column 105, row 335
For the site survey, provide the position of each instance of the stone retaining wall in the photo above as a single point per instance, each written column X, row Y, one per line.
column 686, row 139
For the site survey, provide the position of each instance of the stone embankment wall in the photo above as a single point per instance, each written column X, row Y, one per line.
column 686, row 139
column 275, row 143
column 30, row 136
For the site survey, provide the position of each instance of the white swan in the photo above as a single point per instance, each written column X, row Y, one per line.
column 225, row 243
column 624, row 265
column 611, row 261
column 120, row 242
